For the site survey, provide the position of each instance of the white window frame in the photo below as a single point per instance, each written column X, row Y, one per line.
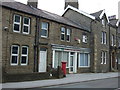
column 84, row 60
column 104, row 38
column 105, row 57
column 118, row 41
column 44, row 29
column 27, row 25
column 62, row 33
column 25, row 55
column 103, row 22
column 112, row 40
column 13, row 64
column 84, row 38
column 68, row 34
column 102, row 57
column 17, row 24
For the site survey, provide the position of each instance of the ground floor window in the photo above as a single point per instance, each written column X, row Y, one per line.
column 59, row 57
column 84, row 60
column 24, row 55
column 19, row 54
column 118, row 60
column 14, row 54
column 103, row 57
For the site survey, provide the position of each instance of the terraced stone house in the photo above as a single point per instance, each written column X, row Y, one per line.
column 35, row 42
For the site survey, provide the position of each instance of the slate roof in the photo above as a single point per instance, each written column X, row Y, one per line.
column 41, row 13
column 113, row 22
column 97, row 14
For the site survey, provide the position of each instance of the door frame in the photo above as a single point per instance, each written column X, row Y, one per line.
column 40, row 60
column 74, row 62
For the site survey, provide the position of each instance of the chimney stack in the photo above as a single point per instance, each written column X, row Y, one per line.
column 33, row 3
column 112, row 17
column 73, row 3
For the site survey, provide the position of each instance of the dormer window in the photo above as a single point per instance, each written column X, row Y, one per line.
column 103, row 22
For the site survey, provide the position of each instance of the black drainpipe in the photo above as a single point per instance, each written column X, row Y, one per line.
column 36, row 46
column 109, row 49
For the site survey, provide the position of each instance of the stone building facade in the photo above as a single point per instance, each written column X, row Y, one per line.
column 36, row 42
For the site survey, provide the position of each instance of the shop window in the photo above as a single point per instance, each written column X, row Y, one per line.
column 84, row 60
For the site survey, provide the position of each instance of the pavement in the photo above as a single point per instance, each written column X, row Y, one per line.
column 69, row 79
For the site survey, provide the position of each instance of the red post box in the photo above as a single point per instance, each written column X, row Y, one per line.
column 64, row 68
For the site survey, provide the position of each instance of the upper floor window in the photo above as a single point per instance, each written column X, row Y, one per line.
column 24, row 55
column 84, row 38
column 44, row 30
column 112, row 40
column 103, row 57
column 62, row 33
column 14, row 54
column 26, row 25
column 68, row 35
column 119, row 41
column 103, row 22
column 17, row 23
column 104, row 38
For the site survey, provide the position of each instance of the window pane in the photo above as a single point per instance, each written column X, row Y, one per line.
column 44, row 32
column 62, row 30
column 14, row 60
column 86, row 59
column 81, row 59
column 14, row 50
column 71, row 60
column 56, row 60
column 65, row 57
column 62, row 37
column 23, row 59
column 68, row 38
column 44, row 25
column 25, row 29
column 26, row 21
column 68, row 31
column 24, row 50
column 16, row 27
column 17, row 18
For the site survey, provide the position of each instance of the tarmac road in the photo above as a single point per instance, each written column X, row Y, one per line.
column 103, row 83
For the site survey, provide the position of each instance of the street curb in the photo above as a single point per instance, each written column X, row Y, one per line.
column 71, row 83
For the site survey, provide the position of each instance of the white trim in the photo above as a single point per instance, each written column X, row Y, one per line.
column 84, row 38
column 26, row 55
column 88, row 60
column 105, row 57
column 103, row 14
column 27, row 25
column 17, row 24
column 44, row 29
column 13, row 64
column 102, row 57
column 79, row 11
column 62, row 33
column 53, row 59
column 68, row 34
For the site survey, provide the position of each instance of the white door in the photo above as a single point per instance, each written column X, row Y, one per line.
column 73, row 62
column 42, row 61
column 71, row 68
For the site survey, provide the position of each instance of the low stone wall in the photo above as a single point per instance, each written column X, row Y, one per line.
column 25, row 77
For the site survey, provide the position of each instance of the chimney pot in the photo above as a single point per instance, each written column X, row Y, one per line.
column 33, row 3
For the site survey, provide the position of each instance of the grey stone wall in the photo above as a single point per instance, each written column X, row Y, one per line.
column 0, row 44
column 10, row 38
column 97, row 29
column 54, row 38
